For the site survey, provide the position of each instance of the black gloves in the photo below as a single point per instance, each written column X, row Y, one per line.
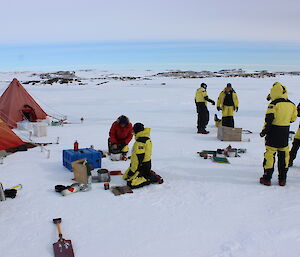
column 122, row 145
column 236, row 109
column 262, row 134
column 10, row 193
column 213, row 102
column 59, row 188
column 219, row 108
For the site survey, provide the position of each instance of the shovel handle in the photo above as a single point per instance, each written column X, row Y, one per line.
column 57, row 222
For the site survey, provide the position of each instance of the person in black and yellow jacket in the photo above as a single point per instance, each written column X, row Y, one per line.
column 228, row 102
column 280, row 113
column 285, row 94
column 139, row 173
column 201, row 99
column 296, row 142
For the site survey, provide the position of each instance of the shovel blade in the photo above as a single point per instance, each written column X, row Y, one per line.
column 63, row 248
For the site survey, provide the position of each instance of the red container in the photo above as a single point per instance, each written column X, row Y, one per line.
column 106, row 186
column 76, row 146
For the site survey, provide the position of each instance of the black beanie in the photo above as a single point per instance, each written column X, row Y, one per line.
column 138, row 127
column 228, row 84
column 123, row 120
column 203, row 85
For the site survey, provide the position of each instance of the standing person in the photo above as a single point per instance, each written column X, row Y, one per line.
column 296, row 142
column 228, row 102
column 120, row 135
column 139, row 173
column 280, row 113
column 285, row 94
column 201, row 99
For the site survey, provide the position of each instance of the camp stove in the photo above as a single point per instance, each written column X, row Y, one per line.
column 103, row 176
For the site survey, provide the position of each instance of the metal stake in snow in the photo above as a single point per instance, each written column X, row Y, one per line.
column 2, row 194
column 44, row 149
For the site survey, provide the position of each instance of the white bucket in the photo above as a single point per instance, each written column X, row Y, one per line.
column 116, row 157
column 40, row 129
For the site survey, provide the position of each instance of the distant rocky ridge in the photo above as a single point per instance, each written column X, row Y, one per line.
column 60, row 77
column 224, row 73
column 69, row 77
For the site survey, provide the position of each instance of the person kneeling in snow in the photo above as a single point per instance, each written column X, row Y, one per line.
column 139, row 173
column 120, row 135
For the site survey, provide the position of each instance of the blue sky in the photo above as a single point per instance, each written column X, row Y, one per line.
column 208, row 55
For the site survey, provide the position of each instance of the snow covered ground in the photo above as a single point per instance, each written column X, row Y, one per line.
column 203, row 209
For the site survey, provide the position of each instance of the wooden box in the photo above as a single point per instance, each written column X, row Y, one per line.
column 80, row 171
column 229, row 134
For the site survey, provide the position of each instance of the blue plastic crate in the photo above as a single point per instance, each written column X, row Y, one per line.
column 93, row 156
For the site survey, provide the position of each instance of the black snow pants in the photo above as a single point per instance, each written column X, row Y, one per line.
column 203, row 116
column 228, row 121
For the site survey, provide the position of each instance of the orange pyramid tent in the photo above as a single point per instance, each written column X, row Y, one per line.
column 16, row 104
column 8, row 139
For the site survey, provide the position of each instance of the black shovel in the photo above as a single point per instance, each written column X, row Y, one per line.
column 62, row 248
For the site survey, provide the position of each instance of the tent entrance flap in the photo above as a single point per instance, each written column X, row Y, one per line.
column 28, row 113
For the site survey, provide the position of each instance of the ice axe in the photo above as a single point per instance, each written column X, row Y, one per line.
column 63, row 247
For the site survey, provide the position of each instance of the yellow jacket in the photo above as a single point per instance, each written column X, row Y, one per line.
column 221, row 99
column 280, row 113
column 297, row 136
column 201, row 95
column 141, row 154
column 227, row 108
column 284, row 94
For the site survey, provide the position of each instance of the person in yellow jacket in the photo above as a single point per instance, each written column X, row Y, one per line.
column 228, row 102
column 296, row 142
column 201, row 99
column 139, row 173
column 280, row 113
column 285, row 94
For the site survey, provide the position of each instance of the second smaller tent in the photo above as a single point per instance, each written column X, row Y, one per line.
column 8, row 139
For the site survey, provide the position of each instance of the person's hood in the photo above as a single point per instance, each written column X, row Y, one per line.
column 277, row 91
column 231, row 91
column 144, row 133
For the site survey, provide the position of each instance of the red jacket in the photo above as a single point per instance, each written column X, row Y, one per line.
column 118, row 134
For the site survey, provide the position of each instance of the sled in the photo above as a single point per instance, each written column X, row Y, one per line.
column 63, row 247
column 220, row 159
column 120, row 190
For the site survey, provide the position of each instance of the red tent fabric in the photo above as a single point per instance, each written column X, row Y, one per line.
column 8, row 139
column 16, row 104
